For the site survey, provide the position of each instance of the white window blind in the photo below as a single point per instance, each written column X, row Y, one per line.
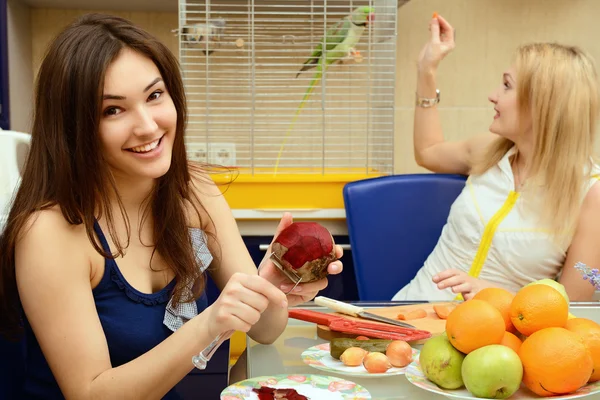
column 240, row 59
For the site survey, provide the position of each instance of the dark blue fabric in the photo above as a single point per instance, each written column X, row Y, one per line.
column 394, row 222
column 132, row 322
column 12, row 367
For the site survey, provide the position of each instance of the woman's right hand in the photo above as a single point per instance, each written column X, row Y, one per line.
column 439, row 45
column 241, row 303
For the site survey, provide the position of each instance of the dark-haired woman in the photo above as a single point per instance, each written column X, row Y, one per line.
column 112, row 228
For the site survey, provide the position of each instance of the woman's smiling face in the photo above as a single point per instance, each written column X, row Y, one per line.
column 138, row 122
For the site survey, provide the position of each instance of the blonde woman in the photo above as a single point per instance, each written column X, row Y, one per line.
column 531, row 206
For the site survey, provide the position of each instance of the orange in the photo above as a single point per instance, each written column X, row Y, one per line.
column 537, row 307
column 589, row 331
column 555, row 362
column 510, row 340
column 501, row 299
column 474, row 324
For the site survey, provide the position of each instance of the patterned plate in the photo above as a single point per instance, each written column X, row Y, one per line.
column 416, row 377
column 315, row 387
column 319, row 357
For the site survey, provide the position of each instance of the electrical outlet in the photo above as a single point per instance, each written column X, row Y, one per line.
column 197, row 151
column 221, row 154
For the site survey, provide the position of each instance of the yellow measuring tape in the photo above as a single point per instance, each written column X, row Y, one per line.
column 488, row 234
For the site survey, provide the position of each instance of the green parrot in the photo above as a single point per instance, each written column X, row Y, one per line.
column 339, row 42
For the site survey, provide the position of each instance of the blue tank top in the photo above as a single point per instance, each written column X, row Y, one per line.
column 132, row 322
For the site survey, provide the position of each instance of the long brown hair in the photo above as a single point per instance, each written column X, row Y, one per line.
column 558, row 87
column 65, row 165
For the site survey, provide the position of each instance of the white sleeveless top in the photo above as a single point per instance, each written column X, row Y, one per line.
column 495, row 231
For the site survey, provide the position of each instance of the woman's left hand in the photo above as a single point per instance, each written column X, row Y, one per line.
column 304, row 291
column 460, row 282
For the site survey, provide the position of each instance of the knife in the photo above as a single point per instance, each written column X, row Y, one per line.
column 356, row 311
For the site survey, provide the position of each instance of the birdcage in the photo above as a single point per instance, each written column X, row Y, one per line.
column 252, row 106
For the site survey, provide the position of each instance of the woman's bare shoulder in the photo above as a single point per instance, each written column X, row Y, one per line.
column 205, row 195
column 50, row 226
column 49, row 245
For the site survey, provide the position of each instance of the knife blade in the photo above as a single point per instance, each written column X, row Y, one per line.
column 356, row 311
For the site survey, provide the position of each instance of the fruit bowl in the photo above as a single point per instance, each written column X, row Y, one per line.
column 415, row 375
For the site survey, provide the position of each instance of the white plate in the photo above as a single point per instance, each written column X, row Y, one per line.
column 415, row 375
column 319, row 357
column 315, row 387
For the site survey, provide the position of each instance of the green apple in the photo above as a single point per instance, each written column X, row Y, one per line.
column 441, row 362
column 555, row 285
column 492, row 372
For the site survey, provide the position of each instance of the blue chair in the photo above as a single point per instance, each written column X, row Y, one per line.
column 394, row 222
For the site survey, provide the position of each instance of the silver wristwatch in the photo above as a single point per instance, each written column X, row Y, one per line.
column 425, row 102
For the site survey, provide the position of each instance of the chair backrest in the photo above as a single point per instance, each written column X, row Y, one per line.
column 14, row 147
column 394, row 222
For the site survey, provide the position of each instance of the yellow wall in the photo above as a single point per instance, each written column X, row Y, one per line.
column 488, row 31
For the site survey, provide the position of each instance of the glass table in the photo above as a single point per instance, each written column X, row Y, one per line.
column 283, row 356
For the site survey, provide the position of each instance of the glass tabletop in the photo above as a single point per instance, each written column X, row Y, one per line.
column 283, row 357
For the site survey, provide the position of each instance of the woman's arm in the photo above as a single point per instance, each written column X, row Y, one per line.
column 430, row 149
column 53, row 277
column 584, row 248
column 234, row 257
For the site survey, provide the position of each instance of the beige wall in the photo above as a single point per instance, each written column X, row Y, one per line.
column 47, row 23
column 488, row 31
column 19, row 66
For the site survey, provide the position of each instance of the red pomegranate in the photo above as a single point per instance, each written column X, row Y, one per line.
column 305, row 248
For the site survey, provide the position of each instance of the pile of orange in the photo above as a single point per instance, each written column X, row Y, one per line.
column 559, row 355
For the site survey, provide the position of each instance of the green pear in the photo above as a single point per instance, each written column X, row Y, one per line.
column 441, row 362
column 492, row 372
column 554, row 284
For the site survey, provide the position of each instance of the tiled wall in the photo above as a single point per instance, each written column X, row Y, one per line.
column 488, row 31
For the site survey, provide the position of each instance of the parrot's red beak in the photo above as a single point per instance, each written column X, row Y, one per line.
column 371, row 17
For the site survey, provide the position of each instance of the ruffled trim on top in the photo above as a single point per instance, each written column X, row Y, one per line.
column 144, row 298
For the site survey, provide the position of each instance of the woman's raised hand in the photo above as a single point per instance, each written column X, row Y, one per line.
column 441, row 42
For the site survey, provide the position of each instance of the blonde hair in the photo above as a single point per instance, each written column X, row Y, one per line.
column 558, row 86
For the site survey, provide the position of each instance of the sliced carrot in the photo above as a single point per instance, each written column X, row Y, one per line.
column 412, row 314
column 443, row 311
column 435, row 15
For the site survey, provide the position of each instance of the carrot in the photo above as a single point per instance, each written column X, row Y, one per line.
column 435, row 15
column 443, row 311
column 412, row 314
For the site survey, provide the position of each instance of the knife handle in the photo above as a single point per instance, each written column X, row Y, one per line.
column 338, row 306
column 313, row 316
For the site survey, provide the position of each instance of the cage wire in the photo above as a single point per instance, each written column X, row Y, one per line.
column 240, row 62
